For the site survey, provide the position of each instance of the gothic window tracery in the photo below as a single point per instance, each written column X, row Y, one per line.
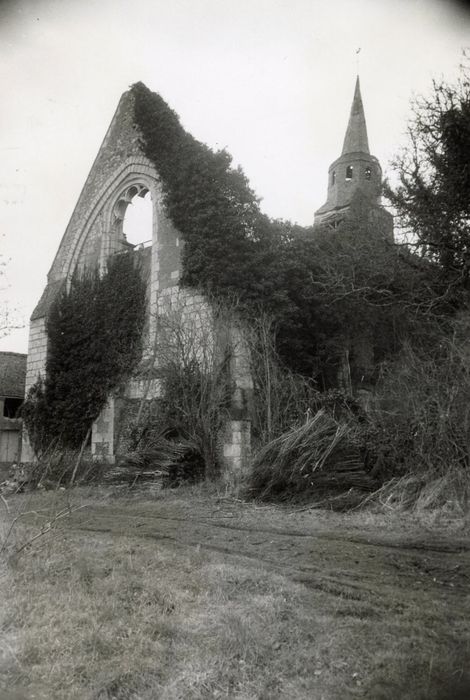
column 134, row 224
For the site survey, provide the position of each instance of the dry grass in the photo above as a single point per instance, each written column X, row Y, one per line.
column 102, row 619
column 99, row 617
column 433, row 494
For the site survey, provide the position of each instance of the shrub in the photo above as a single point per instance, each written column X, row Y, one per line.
column 281, row 397
column 421, row 419
column 193, row 352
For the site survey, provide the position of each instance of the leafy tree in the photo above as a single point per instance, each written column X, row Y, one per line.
column 432, row 198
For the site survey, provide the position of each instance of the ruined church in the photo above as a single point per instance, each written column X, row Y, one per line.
column 120, row 175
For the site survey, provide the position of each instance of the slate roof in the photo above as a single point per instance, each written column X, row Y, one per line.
column 12, row 374
column 356, row 140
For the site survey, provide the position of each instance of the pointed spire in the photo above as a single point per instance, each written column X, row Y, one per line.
column 356, row 134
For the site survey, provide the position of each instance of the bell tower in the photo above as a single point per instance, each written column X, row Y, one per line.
column 355, row 173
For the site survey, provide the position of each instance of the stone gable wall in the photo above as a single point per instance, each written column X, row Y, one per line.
column 120, row 143
column 93, row 234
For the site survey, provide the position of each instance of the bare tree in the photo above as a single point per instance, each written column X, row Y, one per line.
column 187, row 361
column 433, row 195
column 8, row 315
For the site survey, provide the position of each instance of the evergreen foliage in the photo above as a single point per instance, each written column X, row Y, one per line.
column 228, row 241
column 35, row 414
column 94, row 334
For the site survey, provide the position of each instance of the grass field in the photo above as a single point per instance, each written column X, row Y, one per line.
column 190, row 596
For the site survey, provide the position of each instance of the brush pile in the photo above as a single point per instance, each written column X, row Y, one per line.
column 167, row 460
column 321, row 456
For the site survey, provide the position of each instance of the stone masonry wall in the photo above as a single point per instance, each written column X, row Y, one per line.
column 341, row 191
column 35, row 366
column 37, row 352
column 120, row 143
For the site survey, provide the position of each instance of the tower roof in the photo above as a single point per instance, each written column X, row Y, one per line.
column 356, row 140
column 12, row 374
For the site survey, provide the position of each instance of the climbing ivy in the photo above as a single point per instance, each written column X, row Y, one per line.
column 94, row 332
column 230, row 246
column 305, row 282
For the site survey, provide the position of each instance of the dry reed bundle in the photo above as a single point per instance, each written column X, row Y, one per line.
column 431, row 491
column 318, row 456
column 163, row 459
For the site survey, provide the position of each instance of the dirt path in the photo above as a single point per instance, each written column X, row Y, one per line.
column 381, row 611
column 386, row 569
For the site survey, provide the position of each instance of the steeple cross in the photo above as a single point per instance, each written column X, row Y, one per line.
column 358, row 51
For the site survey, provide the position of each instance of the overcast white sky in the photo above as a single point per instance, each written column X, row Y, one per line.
column 270, row 80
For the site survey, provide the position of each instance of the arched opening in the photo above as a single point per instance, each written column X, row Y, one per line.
column 349, row 172
column 333, row 177
column 368, row 173
column 137, row 225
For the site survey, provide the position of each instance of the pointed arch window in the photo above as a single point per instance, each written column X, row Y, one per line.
column 349, row 172
column 333, row 177
column 134, row 215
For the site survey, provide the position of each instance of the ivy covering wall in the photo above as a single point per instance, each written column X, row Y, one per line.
column 320, row 288
column 227, row 238
column 94, row 332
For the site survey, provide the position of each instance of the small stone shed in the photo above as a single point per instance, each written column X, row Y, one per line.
column 12, row 388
